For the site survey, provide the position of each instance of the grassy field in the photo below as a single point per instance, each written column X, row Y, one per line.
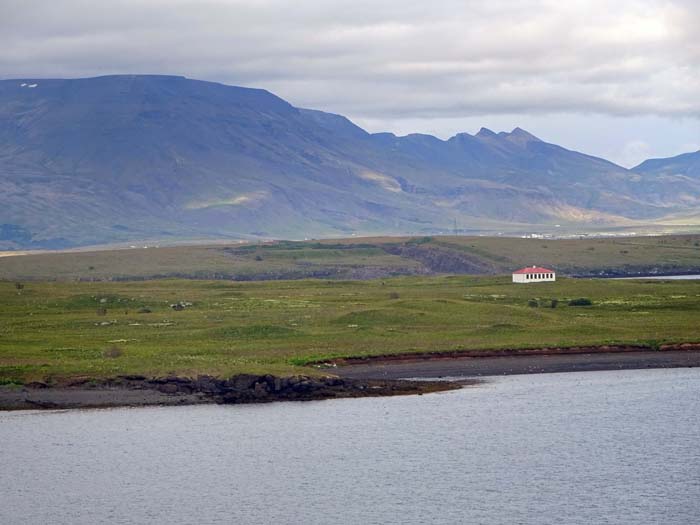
column 364, row 258
column 101, row 329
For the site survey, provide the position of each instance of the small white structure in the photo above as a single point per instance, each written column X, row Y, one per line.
column 534, row 274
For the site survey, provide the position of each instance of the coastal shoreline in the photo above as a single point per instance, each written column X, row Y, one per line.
column 517, row 362
column 390, row 375
column 177, row 391
column 509, row 352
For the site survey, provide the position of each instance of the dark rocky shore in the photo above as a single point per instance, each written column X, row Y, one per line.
column 487, row 363
column 244, row 388
column 357, row 377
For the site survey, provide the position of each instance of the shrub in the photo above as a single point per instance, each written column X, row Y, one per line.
column 554, row 303
column 532, row 303
column 11, row 382
column 581, row 301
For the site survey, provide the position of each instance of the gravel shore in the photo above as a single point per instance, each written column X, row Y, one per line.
column 370, row 377
column 471, row 367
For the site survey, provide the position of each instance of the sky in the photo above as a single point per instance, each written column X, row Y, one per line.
column 615, row 79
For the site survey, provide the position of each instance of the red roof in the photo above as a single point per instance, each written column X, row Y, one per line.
column 533, row 269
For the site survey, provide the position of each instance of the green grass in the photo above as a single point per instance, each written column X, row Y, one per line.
column 57, row 329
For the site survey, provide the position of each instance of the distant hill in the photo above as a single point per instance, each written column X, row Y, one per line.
column 121, row 158
column 363, row 258
column 686, row 165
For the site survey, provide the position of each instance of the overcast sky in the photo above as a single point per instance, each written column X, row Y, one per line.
column 620, row 79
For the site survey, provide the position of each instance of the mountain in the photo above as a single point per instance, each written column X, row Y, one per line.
column 128, row 157
column 676, row 180
column 686, row 165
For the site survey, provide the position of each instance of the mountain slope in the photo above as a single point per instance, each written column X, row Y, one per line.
column 687, row 164
column 129, row 157
column 675, row 179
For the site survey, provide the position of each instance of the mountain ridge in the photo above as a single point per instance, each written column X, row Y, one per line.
column 126, row 157
column 684, row 164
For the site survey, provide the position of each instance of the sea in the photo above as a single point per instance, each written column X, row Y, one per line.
column 665, row 277
column 572, row 448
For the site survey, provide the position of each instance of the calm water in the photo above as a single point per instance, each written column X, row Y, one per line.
column 666, row 277
column 601, row 447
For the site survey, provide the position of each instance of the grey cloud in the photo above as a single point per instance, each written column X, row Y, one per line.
column 382, row 59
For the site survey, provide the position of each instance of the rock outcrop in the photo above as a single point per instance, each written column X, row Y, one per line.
column 173, row 390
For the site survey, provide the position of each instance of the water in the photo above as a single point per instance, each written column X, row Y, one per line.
column 666, row 277
column 595, row 447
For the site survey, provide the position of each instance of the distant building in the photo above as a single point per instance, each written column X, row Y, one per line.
column 534, row 274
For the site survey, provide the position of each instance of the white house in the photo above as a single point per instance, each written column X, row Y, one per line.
column 534, row 274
